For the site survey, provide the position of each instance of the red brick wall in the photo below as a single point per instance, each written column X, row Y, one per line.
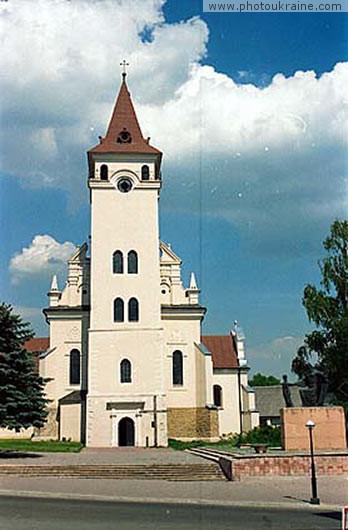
column 261, row 466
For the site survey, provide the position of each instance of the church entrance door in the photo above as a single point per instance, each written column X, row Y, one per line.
column 126, row 432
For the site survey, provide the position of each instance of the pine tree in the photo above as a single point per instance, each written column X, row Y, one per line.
column 22, row 400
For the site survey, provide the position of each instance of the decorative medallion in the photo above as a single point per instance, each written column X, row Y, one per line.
column 124, row 137
column 74, row 333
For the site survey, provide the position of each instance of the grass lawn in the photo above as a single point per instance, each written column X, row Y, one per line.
column 264, row 434
column 40, row 447
column 181, row 446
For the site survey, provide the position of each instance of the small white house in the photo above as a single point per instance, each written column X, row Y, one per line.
column 126, row 358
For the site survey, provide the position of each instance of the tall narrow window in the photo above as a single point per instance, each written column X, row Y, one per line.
column 132, row 262
column 145, row 173
column 126, row 371
column 104, row 172
column 117, row 262
column 177, row 368
column 74, row 367
column 133, row 310
column 118, row 310
column 217, row 395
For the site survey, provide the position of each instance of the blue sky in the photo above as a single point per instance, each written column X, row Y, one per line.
column 250, row 113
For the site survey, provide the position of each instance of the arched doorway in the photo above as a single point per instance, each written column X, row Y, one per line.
column 126, row 432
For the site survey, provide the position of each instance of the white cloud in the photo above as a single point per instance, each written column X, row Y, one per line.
column 269, row 160
column 34, row 316
column 272, row 161
column 274, row 357
column 61, row 71
column 27, row 313
column 44, row 256
column 214, row 114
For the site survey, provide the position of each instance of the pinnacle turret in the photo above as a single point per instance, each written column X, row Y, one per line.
column 54, row 293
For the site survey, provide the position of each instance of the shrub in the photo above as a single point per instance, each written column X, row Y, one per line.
column 265, row 434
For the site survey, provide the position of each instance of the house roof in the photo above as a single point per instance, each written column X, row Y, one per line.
column 124, row 120
column 223, row 350
column 73, row 398
column 36, row 346
column 269, row 399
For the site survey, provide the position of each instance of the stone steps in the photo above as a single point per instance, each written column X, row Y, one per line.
column 180, row 472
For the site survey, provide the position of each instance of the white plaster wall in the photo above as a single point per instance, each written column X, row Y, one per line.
column 124, row 221
column 208, row 362
column 181, row 334
column 70, row 422
column 103, row 430
column 65, row 335
column 201, row 382
column 143, row 348
column 229, row 412
column 251, row 417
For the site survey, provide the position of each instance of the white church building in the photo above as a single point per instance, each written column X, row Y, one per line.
column 126, row 360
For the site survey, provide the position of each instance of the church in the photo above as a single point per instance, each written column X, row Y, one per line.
column 127, row 363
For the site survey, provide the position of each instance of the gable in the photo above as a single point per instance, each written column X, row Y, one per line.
column 168, row 256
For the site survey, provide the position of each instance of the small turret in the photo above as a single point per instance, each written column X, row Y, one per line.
column 54, row 293
column 193, row 291
column 239, row 338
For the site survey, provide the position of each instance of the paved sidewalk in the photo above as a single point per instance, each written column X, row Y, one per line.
column 120, row 455
column 282, row 492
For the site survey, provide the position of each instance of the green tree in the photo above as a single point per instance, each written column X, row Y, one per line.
column 22, row 400
column 327, row 308
column 263, row 380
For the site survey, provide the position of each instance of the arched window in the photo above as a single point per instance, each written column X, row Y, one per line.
column 117, row 262
column 217, row 394
column 74, row 367
column 145, row 173
column 126, row 371
column 133, row 310
column 177, row 368
column 118, row 310
column 104, row 172
column 132, row 262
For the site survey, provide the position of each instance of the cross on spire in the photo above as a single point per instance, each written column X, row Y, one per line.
column 124, row 64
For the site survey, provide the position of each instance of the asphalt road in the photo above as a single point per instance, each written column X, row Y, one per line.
column 24, row 513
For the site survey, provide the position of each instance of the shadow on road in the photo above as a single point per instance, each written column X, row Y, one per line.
column 18, row 454
column 330, row 515
column 295, row 498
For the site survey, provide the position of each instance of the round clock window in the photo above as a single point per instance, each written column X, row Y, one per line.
column 124, row 185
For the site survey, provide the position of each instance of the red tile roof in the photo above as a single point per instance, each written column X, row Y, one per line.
column 223, row 350
column 124, row 119
column 36, row 346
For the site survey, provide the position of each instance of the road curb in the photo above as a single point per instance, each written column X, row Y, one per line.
column 152, row 500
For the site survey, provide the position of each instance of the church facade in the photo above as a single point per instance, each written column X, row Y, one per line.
column 126, row 360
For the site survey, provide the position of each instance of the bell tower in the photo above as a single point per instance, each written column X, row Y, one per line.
column 125, row 336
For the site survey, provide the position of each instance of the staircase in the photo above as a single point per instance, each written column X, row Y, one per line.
column 177, row 472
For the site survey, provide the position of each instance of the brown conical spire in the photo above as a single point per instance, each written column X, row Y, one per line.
column 124, row 134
